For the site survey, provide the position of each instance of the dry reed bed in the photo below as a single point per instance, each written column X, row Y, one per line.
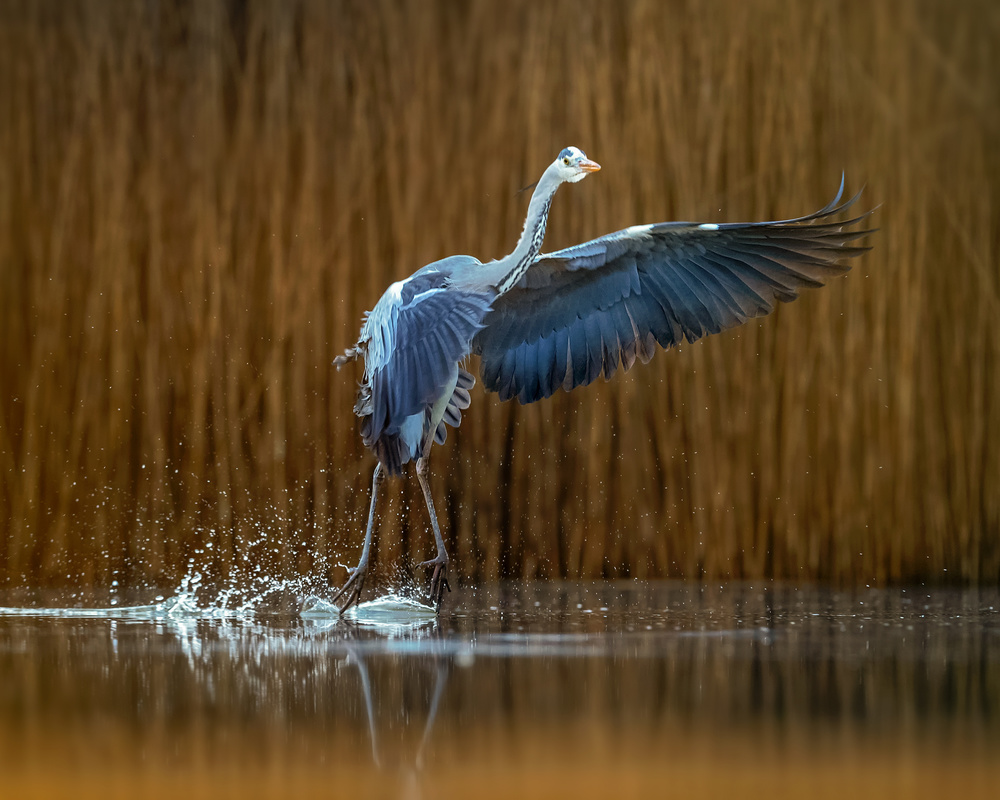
column 197, row 203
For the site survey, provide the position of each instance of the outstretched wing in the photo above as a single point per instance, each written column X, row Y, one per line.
column 413, row 340
column 580, row 312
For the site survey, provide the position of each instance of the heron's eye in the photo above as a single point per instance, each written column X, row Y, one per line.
column 566, row 161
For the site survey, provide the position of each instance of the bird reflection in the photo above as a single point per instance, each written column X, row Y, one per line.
column 438, row 666
column 387, row 655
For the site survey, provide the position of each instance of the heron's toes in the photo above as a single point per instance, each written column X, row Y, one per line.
column 351, row 590
column 437, row 590
column 439, row 577
column 437, row 562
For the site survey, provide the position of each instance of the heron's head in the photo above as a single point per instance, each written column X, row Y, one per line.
column 572, row 165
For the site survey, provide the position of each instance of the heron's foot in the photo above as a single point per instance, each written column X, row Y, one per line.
column 351, row 590
column 439, row 577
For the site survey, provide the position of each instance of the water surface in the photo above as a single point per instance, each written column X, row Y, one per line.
column 540, row 689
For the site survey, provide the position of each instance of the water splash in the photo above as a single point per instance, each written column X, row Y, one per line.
column 261, row 582
column 392, row 613
column 193, row 599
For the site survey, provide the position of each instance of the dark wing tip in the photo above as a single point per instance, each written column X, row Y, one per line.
column 834, row 207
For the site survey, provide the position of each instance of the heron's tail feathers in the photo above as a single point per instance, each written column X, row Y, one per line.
column 460, row 400
column 392, row 452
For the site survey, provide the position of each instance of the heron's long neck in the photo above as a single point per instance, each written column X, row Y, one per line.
column 504, row 273
column 530, row 243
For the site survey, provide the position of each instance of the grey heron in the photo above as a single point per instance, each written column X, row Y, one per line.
column 541, row 322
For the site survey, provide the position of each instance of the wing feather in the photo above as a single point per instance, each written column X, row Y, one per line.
column 412, row 340
column 582, row 312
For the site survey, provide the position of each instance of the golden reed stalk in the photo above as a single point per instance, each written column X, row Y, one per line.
column 198, row 201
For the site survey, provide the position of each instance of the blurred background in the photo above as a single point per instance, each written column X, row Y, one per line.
column 199, row 200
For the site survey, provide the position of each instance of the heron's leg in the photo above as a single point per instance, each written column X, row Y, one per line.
column 356, row 658
column 356, row 581
column 440, row 679
column 439, row 578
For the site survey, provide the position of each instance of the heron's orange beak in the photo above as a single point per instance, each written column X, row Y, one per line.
column 589, row 166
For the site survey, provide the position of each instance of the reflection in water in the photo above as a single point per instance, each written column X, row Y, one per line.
column 440, row 671
column 585, row 677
